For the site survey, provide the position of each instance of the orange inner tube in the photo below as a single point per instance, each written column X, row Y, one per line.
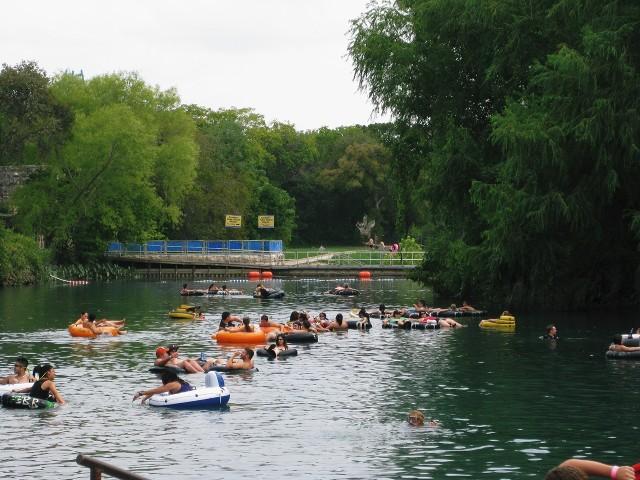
column 78, row 331
column 241, row 338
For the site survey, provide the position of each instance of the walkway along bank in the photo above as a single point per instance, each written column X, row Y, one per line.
column 222, row 258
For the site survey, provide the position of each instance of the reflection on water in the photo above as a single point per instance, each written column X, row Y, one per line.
column 509, row 404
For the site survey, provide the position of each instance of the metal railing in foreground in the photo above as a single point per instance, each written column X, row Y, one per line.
column 98, row 467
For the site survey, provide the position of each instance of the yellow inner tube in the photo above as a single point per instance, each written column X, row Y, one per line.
column 508, row 317
column 185, row 315
column 494, row 324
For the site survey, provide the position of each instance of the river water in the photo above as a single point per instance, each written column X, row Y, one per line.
column 509, row 404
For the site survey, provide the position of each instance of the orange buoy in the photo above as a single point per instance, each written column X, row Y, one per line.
column 253, row 275
column 364, row 274
column 267, row 275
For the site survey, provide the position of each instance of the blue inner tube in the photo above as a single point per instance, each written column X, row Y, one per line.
column 26, row 402
column 263, row 352
column 623, row 355
column 300, row 337
column 353, row 325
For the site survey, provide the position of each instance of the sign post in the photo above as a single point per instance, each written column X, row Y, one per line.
column 266, row 221
column 233, row 221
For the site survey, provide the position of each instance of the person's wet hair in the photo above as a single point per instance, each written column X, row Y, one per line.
column 168, row 377
column 339, row 319
column 22, row 361
column 294, row 316
column 225, row 315
column 566, row 473
column 549, row 327
column 617, row 339
column 42, row 370
column 92, row 317
column 249, row 352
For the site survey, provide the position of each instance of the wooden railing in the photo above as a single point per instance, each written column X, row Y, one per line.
column 98, row 467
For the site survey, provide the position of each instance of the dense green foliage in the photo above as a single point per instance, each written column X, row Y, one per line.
column 33, row 123
column 21, row 260
column 521, row 121
column 125, row 161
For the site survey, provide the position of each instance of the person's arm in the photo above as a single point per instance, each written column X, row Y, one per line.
column 600, row 469
column 146, row 394
column 232, row 360
column 53, row 391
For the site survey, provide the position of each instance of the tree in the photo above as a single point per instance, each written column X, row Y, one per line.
column 32, row 122
column 526, row 153
column 121, row 176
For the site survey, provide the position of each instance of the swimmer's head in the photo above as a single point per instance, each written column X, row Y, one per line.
column 415, row 418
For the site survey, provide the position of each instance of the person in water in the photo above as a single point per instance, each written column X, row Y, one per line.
column 245, row 327
column 551, row 333
column 579, row 469
column 20, row 373
column 338, row 325
column 171, row 383
column 266, row 323
column 44, row 388
column 618, row 346
column 416, row 418
column 278, row 347
column 228, row 320
column 241, row 359
column 168, row 357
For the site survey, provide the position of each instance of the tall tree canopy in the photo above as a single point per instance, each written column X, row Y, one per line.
column 32, row 121
column 527, row 113
column 123, row 174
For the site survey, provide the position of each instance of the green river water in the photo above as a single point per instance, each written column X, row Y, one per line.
column 510, row 405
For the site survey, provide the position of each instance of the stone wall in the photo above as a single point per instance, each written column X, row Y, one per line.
column 12, row 176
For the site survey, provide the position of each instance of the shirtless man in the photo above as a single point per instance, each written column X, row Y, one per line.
column 20, row 373
column 617, row 345
column 339, row 324
column 168, row 357
column 242, row 359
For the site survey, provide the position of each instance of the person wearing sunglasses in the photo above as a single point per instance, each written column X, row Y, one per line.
column 20, row 373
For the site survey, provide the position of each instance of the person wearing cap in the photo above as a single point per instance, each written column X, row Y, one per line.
column 168, row 357
column 45, row 387
column 241, row 359
column 20, row 373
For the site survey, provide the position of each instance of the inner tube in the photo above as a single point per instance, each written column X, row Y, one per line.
column 498, row 325
column 14, row 386
column 78, row 331
column 224, row 368
column 269, row 293
column 300, row 337
column 26, row 402
column 345, row 292
column 290, row 352
column 258, row 337
column 353, row 325
column 623, row 355
column 186, row 315
column 428, row 325
column 193, row 293
column 201, row 397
